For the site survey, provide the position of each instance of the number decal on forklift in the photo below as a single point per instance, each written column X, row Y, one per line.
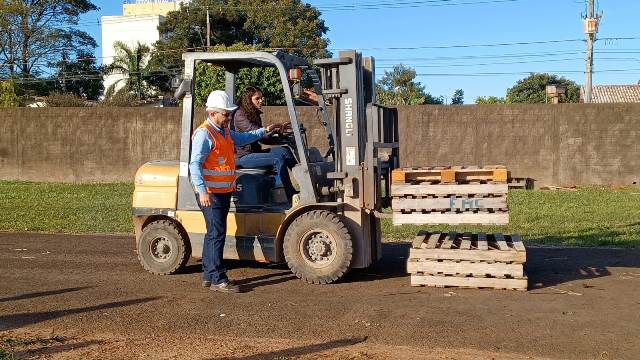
column 238, row 187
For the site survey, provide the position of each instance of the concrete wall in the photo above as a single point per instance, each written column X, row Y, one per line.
column 554, row 144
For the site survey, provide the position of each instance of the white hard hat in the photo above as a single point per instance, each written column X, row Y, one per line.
column 220, row 100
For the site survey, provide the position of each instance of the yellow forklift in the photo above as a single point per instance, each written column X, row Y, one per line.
column 332, row 225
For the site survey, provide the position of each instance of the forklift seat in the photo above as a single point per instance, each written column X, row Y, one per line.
column 263, row 170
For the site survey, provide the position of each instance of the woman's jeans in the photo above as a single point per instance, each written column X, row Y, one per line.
column 279, row 157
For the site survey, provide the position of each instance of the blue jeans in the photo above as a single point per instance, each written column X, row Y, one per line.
column 215, row 217
column 279, row 157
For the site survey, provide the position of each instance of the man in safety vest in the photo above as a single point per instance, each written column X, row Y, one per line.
column 213, row 174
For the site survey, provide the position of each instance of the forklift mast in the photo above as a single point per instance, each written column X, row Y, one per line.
column 366, row 148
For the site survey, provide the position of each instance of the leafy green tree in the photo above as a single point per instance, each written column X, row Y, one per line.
column 458, row 97
column 35, row 33
column 288, row 24
column 398, row 87
column 209, row 78
column 131, row 62
column 490, row 100
column 81, row 77
column 532, row 89
column 8, row 96
column 292, row 25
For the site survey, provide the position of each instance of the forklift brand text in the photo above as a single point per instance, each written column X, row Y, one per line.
column 348, row 116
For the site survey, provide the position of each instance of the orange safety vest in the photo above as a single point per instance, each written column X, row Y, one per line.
column 219, row 169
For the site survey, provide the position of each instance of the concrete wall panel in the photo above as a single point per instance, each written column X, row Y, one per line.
column 554, row 144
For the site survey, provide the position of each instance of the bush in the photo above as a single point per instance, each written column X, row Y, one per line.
column 120, row 99
column 56, row 99
column 8, row 96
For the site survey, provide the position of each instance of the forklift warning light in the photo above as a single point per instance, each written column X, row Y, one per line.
column 295, row 74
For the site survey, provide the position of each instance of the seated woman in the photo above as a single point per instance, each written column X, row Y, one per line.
column 247, row 118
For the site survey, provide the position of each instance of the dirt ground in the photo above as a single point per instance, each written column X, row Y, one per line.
column 76, row 297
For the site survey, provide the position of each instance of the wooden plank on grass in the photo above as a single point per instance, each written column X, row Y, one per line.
column 498, row 218
column 471, row 282
column 502, row 245
column 453, row 203
column 517, row 242
column 431, row 189
column 447, row 243
column 434, row 267
column 432, row 243
column 465, row 244
column 482, row 241
column 469, row 255
column 419, row 239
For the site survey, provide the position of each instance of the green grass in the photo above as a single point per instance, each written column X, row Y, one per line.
column 587, row 217
column 66, row 208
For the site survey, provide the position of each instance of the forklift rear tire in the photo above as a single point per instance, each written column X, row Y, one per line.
column 318, row 247
column 163, row 249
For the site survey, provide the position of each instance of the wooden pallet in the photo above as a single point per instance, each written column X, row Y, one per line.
column 435, row 189
column 435, row 203
column 450, row 203
column 520, row 183
column 450, row 174
column 451, row 218
column 468, row 260
column 469, row 282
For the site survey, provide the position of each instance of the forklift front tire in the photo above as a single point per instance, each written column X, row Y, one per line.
column 163, row 249
column 318, row 247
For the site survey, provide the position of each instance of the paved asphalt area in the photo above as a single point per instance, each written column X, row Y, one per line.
column 582, row 303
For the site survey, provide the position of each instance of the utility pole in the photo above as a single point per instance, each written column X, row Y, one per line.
column 208, row 31
column 591, row 22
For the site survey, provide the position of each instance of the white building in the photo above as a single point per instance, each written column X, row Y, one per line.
column 139, row 23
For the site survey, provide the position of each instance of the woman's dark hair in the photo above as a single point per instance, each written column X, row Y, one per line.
column 245, row 103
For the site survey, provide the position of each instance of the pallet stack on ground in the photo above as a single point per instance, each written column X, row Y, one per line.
column 468, row 260
column 450, row 195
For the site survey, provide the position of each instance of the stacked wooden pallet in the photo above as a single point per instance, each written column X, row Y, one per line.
column 468, row 260
column 450, row 195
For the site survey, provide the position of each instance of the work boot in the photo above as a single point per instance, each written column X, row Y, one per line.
column 226, row 287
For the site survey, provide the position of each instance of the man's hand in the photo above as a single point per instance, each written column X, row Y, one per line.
column 273, row 127
column 205, row 198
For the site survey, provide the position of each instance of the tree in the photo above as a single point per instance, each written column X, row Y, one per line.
column 288, row 24
column 532, row 89
column 490, row 100
column 35, row 33
column 81, row 77
column 212, row 77
column 458, row 97
column 131, row 62
column 8, row 96
column 398, row 87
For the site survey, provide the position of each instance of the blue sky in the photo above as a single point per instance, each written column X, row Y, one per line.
column 418, row 29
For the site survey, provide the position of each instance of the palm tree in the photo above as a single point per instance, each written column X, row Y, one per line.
column 131, row 62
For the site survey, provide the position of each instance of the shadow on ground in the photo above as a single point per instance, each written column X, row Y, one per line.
column 38, row 294
column 302, row 350
column 553, row 266
column 15, row 321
